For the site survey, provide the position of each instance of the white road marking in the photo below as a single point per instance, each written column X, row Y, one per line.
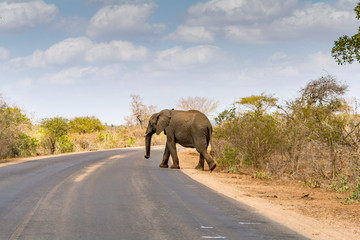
column 205, row 227
column 249, row 223
column 213, row 237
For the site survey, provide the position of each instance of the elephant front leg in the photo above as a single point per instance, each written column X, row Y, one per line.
column 164, row 163
column 172, row 149
column 200, row 165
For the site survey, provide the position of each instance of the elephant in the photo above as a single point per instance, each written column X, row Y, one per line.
column 190, row 129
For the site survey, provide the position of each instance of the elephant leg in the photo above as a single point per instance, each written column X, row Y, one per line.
column 200, row 165
column 164, row 163
column 209, row 160
column 172, row 148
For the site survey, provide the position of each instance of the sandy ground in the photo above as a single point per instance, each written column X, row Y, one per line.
column 314, row 212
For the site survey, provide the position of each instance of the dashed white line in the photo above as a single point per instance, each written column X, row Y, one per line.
column 249, row 223
column 205, row 227
column 213, row 237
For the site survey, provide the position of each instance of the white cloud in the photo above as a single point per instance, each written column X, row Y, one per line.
column 232, row 11
column 116, row 51
column 19, row 16
column 83, row 51
column 114, row 2
column 123, row 21
column 178, row 58
column 72, row 75
column 196, row 34
column 4, row 54
column 243, row 34
column 317, row 20
column 264, row 21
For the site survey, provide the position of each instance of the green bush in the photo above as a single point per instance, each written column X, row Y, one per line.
column 230, row 158
column 64, row 144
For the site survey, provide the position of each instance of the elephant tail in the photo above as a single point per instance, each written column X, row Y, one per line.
column 211, row 142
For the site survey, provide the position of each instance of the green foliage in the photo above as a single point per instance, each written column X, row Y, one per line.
column 258, row 103
column 230, row 158
column 130, row 141
column 64, row 144
column 53, row 130
column 347, row 49
column 84, row 125
column 341, row 183
column 13, row 124
column 25, row 146
column 226, row 115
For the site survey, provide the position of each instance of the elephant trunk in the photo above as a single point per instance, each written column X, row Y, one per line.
column 147, row 144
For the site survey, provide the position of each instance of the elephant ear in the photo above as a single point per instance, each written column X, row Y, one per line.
column 163, row 121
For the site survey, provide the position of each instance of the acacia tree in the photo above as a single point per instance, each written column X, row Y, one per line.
column 258, row 103
column 347, row 49
column 202, row 104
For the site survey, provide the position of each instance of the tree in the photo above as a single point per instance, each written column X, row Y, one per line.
column 84, row 125
column 13, row 125
column 317, row 109
column 347, row 49
column 140, row 112
column 202, row 104
column 258, row 103
column 54, row 130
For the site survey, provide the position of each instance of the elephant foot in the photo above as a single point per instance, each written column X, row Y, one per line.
column 212, row 166
column 199, row 167
column 164, row 165
column 175, row 166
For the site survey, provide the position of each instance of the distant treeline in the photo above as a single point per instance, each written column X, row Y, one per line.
column 19, row 137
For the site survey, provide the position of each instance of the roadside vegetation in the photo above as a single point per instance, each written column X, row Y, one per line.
column 19, row 137
column 314, row 138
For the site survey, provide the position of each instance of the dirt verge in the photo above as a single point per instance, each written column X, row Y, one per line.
column 314, row 212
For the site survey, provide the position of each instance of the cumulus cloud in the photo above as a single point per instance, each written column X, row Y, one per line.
column 114, row 2
column 20, row 16
column 83, row 51
column 123, row 21
column 4, row 54
column 72, row 75
column 234, row 11
column 192, row 34
column 178, row 58
column 265, row 21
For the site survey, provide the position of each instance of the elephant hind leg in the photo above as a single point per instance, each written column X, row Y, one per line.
column 200, row 165
column 208, row 158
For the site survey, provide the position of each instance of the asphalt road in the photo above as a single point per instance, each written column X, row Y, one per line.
column 118, row 194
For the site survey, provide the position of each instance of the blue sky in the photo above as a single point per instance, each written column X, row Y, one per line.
column 78, row 58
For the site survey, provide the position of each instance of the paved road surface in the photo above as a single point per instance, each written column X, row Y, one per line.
column 118, row 194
